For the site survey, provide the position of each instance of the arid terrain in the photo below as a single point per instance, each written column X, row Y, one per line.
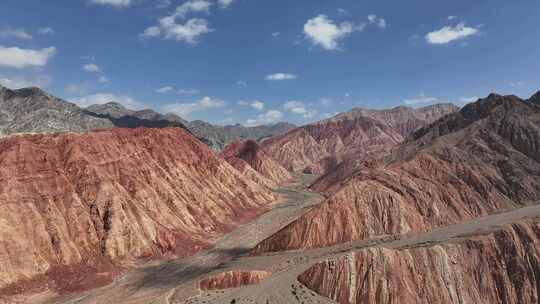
column 448, row 214
column 178, row 281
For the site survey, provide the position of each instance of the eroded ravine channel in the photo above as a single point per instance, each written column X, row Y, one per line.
column 157, row 281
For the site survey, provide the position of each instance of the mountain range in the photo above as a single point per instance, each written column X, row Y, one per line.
column 32, row 110
column 437, row 204
column 322, row 146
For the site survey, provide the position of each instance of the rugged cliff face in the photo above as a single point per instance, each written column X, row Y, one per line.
column 500, row 268
column 321, row 146
column 233, row 279
column 249, row 152
column 478, row 161
column 72, row 201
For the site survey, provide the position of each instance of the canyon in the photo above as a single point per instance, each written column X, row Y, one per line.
column 478, row 161
column 428, row 205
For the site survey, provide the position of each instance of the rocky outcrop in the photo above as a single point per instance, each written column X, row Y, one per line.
column 233, row 279
column 74, row 200
column 250, row 153
column 535, row 98
column 500, row 268
column 32, row 110
column 481, row 160
column 322, row 146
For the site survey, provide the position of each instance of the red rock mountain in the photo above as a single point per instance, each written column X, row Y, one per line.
column 75, row 203
column 233, row 279
column 475, row 162
column 499, row 268
column 321, row 146
column 247, row 156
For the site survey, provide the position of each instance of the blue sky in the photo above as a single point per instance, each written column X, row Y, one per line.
column 256, row 62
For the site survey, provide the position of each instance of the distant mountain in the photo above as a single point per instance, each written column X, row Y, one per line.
column 535, row 98
column 220, row 136
column 472, row 163
column 33, row 110
column 217, row 137
column 321, row 146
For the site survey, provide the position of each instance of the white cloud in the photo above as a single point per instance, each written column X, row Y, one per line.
column 88, row 58
column 281, row 76
column 466, row 100
column 326, row 33
column 192, row 6
column 102, row 98
column 76, row 89
column 327, row 101
column 276, row 34
column 165, row 89
column 448, row 34
column 185, row 109
column 163, row 3
column 342, row 10
column 92, row 68
column 45, row 31
column 114, row 3
column 258, row 105
column 270, row 117
column 15, row 33
column 103, row 79
column 225, row 3
column 451, row 17
column 420, row 99
column 189, row 31
column 153, row 31
column 18, row 82
column 21, row 58
column 241, row 83
column 517, row 84
column 299, row 108
column 188, row 91
column 374, row 19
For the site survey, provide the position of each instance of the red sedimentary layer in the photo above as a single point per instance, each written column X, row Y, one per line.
column 321, row 146
column 112, row 196
column 233, row 279
column 473, row 163
column 241, row 153
column 500, row 268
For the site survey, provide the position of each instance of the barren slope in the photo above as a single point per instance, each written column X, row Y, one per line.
column 73, row 202
column 503, row 267
column 482, row 160
column 249, row 152
column 321, row 146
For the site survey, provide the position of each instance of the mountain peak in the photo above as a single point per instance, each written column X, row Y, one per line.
column 535, row 98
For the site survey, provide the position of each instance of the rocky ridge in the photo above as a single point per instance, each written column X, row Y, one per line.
column 241, row 153
column 319, row 147
column 75, row 203
column 481, row 160
column 31, row 110
column 502, row 267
